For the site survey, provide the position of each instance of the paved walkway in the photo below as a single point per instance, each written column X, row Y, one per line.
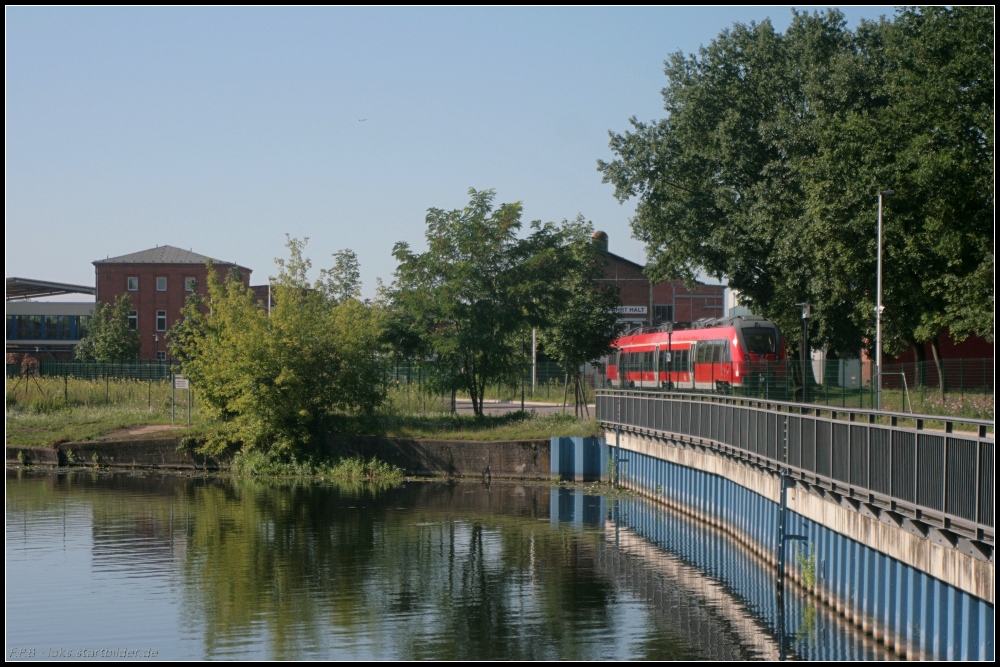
column 492, row 407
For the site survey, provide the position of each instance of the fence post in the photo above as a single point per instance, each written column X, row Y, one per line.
column 107, row 389
column 65, row 389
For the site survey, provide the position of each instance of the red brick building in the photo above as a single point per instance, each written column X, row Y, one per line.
column 973, row 347
column 158, row 280
column 649, row 304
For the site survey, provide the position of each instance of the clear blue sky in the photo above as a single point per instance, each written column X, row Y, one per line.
column 220, row 130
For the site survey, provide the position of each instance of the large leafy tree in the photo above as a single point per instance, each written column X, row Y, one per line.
column 768, row 167
column 109, row 336
column 469, row 298
column 273, row 382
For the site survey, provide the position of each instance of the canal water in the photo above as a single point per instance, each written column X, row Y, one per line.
column 187, row 567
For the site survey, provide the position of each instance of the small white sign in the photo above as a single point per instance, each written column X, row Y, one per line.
column 181, row 382
column 631, row 310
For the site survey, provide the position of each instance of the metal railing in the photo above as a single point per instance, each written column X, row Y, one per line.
column 942, row 477
column 961, row 387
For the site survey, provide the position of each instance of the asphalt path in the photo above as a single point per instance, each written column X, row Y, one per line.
column 463, row 406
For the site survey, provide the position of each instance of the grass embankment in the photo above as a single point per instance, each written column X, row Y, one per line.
column 41, row 412
column 52, row 410
column 509, row 426
column 27, row 428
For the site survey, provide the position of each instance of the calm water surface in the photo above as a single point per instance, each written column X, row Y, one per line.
column 208, row 567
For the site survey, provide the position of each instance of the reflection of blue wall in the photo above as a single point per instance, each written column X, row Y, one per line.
column 576, row 507
column 579, row 459
column 927, row 614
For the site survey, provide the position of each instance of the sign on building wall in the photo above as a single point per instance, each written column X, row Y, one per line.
column 631, row 310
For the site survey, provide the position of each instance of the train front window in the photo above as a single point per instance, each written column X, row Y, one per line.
column 760, row 341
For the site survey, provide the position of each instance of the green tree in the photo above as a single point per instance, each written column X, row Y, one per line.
column 768, row 167
column 584, row 322
column 273, row 382
column 109, row 336
column 343, row 280
column 467, row 301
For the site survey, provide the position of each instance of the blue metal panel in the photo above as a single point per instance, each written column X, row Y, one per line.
column 926, row 615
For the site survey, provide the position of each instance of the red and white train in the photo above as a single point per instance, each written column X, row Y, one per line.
column 714, row 356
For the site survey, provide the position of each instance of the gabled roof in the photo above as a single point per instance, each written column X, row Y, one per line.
column 164, row 254
column 625, row 260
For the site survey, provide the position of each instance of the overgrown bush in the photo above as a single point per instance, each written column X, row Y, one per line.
column 255, row 463
column 273, row 380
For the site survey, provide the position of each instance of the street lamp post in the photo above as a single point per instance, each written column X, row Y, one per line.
column 670, row 355
column 806, row 312
column 879, row 308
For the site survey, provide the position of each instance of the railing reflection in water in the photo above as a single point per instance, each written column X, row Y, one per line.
column 711, row 588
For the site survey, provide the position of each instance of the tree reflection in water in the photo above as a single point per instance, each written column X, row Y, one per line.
column 422, row 570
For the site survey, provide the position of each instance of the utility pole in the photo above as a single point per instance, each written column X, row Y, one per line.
column 522, row 370
column 534, row 361
column 879, row 307
column 806, row 308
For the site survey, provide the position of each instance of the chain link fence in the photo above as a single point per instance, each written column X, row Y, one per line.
column 960, row 387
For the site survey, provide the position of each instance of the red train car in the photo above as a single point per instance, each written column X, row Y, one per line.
column 716, row 355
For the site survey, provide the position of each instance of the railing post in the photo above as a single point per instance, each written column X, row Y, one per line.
column 618, row 455
column 781, row 530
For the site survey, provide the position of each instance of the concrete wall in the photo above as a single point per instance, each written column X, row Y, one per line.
column 152, row 453
column 521, row 459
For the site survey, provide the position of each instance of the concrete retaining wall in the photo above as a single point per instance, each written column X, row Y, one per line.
column 152, row 453
column 515, row 459
column 520, row 459
column 920, row 598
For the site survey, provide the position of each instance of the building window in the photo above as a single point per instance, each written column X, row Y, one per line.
column 133, row 320
column 161, row 356
column 82, row 326
column 133, row 283
column 58, row 327
column 161, row 284
column 190, row 284
column 662, row 314
column 28, row 327
column 161, row 320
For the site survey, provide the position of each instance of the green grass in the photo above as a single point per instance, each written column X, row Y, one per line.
column 26, row 428
column 46, row 411
column 510, row 426
column 412, row 397
column 54, row 410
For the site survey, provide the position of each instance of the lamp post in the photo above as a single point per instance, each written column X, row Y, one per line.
column 670, row 355
column 156, row 345
column 806, row 312
column 878, row 307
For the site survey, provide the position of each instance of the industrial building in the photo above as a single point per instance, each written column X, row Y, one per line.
column 158, row 281
column 645, row 303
